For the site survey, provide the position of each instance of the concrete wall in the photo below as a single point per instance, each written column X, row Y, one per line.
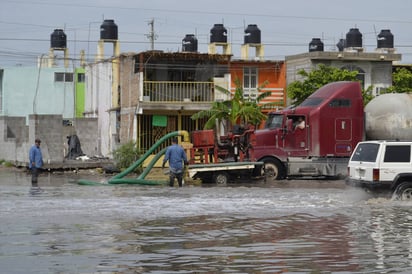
column 16, row 138
column 49, row 128
column 13, row 137
column 32, row 90
column 86, row 130
column 98, row 103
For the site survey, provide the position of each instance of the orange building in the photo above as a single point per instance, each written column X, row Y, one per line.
column 254, row 73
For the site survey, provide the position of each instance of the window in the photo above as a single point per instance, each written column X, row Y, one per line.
column 58, row 76
column 311, row 102
column 366, row 153
column 250, row 82
column 274, row 121
column 68, row 77
column 361, row 73
column 340, row 103
column 81, row 78
column 397, row 154
column 63, row 77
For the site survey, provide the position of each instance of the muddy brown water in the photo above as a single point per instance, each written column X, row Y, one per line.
column 302, row 226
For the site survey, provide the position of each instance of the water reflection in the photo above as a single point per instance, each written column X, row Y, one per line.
column 293, row 243
column 280, row 228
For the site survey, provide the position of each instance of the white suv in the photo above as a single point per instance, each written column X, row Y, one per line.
column 382, row 164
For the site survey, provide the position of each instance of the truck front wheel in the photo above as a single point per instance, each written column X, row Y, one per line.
column 221, row 178
column 274, row 169
column 403, row 192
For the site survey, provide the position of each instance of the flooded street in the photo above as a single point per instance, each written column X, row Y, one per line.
column 284, row 227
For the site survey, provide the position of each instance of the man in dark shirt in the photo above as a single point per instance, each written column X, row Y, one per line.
column 176, row 156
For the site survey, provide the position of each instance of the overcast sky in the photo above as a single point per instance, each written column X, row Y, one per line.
column 286, row 26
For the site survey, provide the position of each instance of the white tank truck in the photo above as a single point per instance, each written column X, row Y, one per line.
column 389, row 117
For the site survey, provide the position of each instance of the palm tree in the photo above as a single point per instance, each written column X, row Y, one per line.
column 239, row 109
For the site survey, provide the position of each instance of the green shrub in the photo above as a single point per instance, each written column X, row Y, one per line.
column 7, row 164
column 126, row 155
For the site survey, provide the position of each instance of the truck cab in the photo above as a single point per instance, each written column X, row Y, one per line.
column 315, row 138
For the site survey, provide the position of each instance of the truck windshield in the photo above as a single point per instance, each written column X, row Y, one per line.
column 366, row 152
column 274, row 121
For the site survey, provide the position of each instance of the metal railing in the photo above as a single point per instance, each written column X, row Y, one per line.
column 168, row 91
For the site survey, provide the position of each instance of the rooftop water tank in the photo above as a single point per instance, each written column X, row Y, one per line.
column 385, row 39
column 218, row 34
column 189, row 43
column 315, row 45
column 58, row 39
column 354, row 38
column 252, row 34
column 108, row 30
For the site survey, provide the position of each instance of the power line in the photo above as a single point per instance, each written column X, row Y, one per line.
column 215, row 12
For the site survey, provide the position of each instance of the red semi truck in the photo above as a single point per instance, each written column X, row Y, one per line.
column 317, row 137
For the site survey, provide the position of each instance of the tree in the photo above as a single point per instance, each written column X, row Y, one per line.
column 402, row 81
column 300, row 90
column 237, row 110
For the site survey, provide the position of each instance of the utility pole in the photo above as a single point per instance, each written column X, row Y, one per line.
column 152, row 36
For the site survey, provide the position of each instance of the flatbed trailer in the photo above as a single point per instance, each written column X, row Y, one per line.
column 223, row 173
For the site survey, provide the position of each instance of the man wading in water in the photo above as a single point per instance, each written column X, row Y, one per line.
column 35, row 163
column 176, row 156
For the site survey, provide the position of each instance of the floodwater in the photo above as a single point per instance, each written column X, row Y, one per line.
column 283, row 227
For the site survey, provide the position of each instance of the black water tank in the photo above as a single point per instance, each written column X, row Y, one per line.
column 354, row 38
column 385, row 39
column 58, row 39
column 189, row 43
column 341, row 44
column 218, row 34
column 252, row 34
column 315, row 45
column 108, row 30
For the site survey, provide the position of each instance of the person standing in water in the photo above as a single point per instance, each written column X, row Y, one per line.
column 35, row 162
column 176, row 156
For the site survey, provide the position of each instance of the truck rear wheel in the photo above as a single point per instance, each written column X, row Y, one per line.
column 221, row 178
column 274, row 169
column 403, row 192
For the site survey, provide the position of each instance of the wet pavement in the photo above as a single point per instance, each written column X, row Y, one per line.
column 284, row 227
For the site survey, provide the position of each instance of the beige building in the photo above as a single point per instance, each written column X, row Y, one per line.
column 375, row 68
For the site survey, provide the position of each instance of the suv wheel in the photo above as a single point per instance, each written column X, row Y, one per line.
column 403, row 192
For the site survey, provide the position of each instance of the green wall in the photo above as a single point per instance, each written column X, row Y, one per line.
column 80, row 91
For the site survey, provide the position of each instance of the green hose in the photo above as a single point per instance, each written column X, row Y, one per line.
column 118, row 179
column 148, row 153
column 140, row 180
column 84, row 182
column 136, row 181
column 152, row 163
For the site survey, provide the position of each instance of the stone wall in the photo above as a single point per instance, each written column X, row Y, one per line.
column 16, row 138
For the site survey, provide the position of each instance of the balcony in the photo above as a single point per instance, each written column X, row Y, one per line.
column 170, row 91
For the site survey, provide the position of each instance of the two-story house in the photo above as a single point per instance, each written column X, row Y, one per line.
column 143, row 96
column 374, row 67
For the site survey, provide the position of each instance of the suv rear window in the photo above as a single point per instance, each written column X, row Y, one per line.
column 366, row 152
column 397, row 154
